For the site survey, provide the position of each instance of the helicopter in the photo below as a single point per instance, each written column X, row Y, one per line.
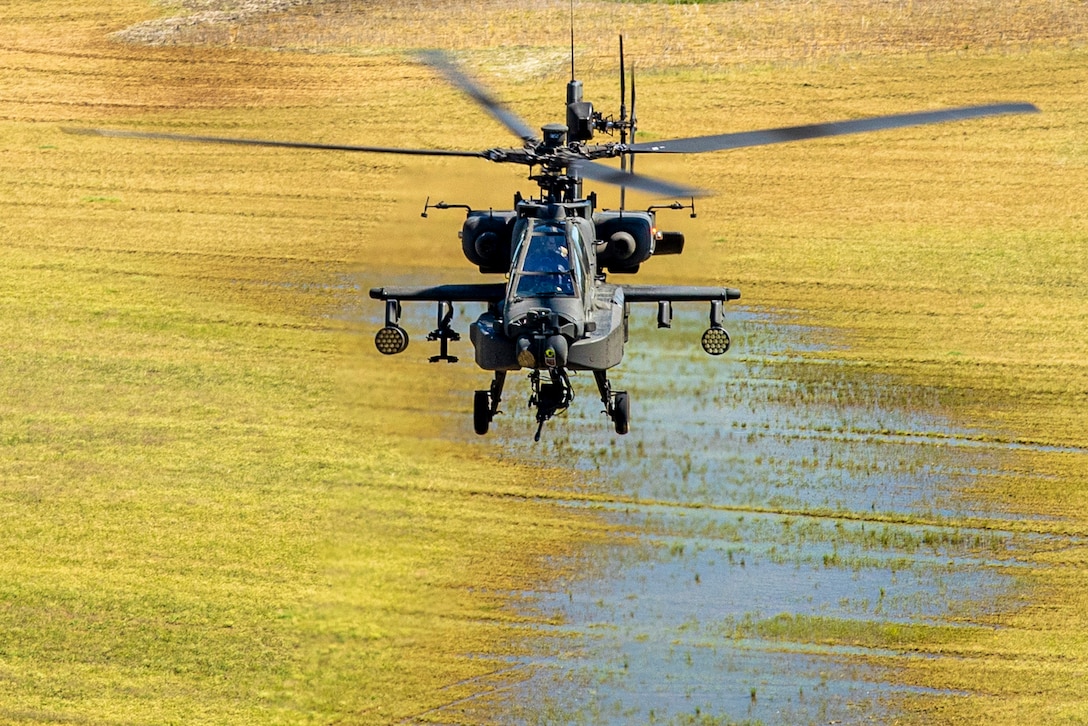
column 557, row 311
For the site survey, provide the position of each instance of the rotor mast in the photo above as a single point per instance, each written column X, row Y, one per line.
column 559, row 179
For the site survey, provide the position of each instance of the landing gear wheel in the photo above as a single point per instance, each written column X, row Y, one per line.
column 481, row 412
column 621, row 412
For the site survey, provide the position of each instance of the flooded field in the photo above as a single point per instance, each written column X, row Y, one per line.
column 763, row 488
column 769, row 503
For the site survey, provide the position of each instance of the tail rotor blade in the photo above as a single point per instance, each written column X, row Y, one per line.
column 623, row 96
column 623, row 122
column 634, row 118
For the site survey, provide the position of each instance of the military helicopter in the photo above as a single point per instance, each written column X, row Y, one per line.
column 557, row 312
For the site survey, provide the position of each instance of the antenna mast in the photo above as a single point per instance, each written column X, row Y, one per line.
column 572, row 40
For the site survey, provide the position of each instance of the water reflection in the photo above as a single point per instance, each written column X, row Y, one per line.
column 769, row 482
column 776, row 481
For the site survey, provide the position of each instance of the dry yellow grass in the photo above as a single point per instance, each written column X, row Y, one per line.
column 949, row 255
column 217, row 506
column 663, row 34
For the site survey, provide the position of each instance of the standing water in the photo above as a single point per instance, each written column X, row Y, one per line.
column 762, row 499
column 769, row 491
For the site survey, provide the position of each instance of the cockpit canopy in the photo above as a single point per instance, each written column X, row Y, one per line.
column 546, row 266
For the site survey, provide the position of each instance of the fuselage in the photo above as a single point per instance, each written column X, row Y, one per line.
column 557, row 312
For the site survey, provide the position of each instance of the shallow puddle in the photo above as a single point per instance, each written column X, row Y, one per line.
column 773, row 480
column 770, row 481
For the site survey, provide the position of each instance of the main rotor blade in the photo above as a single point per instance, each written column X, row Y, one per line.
column 122, row 133
column 453, row 73
column 742, row 139
column 656, row 187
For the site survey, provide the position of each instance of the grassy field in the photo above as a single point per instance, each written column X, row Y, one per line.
column 220, row 505
column 216, row 506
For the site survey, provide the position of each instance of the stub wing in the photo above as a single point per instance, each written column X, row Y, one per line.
column 392, row 338
column 715, row 340
column 483, row 292
column 678, row 293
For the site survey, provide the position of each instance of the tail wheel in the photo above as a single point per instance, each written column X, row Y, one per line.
column 481, row 412
column 621, row 412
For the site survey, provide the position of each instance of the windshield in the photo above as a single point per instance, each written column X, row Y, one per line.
column 546, row 268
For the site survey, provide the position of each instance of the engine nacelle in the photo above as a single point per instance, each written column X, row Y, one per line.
column 486, row 238
column 669, row 243
column 624, row 240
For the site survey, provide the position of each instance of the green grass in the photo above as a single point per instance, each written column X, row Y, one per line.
column 857, row 633
column 199, row 526
column 220, row 505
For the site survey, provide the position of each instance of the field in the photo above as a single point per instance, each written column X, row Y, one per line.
column 220, row 504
